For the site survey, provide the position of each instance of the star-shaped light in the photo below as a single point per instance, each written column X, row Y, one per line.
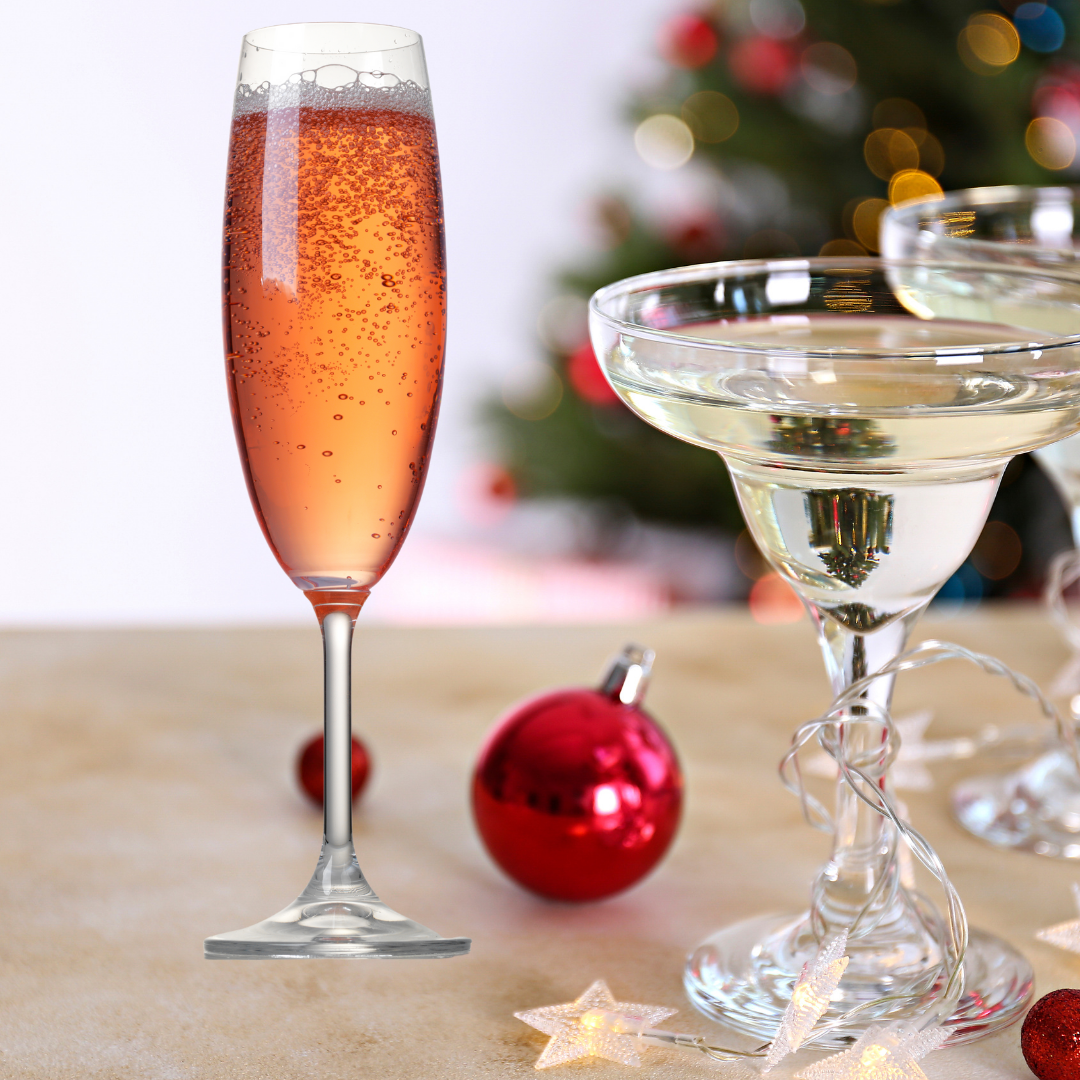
column 1064, row 935
column 882, row 1052
column 596, row 1025
column 811, row 997
column 909, row 771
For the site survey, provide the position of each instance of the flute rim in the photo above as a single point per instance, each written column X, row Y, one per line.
column 324, row 52
column 730, row 268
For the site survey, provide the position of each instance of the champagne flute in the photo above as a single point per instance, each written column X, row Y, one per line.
column 866, row 411
column 334, row 311
column 1036, row 807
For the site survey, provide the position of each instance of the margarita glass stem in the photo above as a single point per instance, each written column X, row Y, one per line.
column 859, row 881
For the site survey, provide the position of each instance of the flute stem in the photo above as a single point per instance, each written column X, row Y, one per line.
column 337, row 629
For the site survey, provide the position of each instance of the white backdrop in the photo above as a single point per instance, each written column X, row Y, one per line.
column 121, row 486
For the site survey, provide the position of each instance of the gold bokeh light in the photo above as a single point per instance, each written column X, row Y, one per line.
column 898, row 113
column 711, row 116
column 989, row 43
column 865, row 221
column 888, row 151
column 913, row 184
column 1050, row 142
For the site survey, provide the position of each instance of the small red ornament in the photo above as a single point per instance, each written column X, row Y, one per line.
column 1050, row 1037
column 762, row 65
column 689, row 41
column 309, row 769
column 578, row 792
column 583, row 371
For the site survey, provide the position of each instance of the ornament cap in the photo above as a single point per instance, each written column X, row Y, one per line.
column 627, row 676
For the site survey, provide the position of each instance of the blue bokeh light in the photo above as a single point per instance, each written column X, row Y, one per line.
column 1040, row 27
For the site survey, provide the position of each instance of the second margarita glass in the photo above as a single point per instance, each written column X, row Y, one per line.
column 866, row 411
column 1036, row 807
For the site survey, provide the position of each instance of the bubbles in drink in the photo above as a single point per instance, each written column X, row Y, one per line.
column 333, row 198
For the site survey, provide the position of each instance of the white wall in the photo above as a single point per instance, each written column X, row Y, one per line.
column 122, row 493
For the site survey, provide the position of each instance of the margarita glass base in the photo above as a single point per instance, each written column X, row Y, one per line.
column 1035, row 808
column 744, row 976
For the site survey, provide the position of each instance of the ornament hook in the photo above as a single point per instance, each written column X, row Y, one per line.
column 627, row 676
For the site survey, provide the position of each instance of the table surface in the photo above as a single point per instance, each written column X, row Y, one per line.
column 148, row 801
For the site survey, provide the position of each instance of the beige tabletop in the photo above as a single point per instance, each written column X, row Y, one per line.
column 147, row 801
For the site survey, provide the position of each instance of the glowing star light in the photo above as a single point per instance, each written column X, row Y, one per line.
column 1064, row 935
column 882, row 1052
column 590, row 1027
column 813, row 992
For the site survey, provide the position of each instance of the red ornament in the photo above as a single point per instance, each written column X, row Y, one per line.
column 762, row 65
column 577, row 793
column 588, row 381
column 1050, row 1037
column 689, row 41
column 309, row 769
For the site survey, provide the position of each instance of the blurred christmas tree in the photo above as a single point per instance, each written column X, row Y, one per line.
column 799, row 122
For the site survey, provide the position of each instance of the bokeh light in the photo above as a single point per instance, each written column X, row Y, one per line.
column 711, row 116
column 865, row 221
column 584, row 374
column 780, row 19
column 912, row 184
column 748, row 557
column 774, row 601
column 761, row 64
column 898, row 113
column 888, row 151
column 828, row 68
column 563, row 322
column 989, row 43
column 689, row 41
column 842, row 249
column 1050, row 143
column 931, row 153
column 664, row 141
column 998, row 551
column 1040, row 27
column 532, row 391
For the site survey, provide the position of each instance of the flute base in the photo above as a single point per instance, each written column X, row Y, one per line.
column 744, row 976
column 337, row 917
column 1035, row 808
column 329, row 930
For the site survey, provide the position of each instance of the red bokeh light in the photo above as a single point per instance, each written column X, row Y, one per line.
column 584, row 375
column 689, row 41
column 762, row 65
column 774, row 601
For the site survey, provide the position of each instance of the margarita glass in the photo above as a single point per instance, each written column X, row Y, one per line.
column 1036, row 807
column 866, row 411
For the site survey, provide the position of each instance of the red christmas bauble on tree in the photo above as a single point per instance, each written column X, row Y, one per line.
column 762, row 65
column 309, row 769
column 689, row 41
column 1050, row 1037
column 583, row 372
column 578, row 792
